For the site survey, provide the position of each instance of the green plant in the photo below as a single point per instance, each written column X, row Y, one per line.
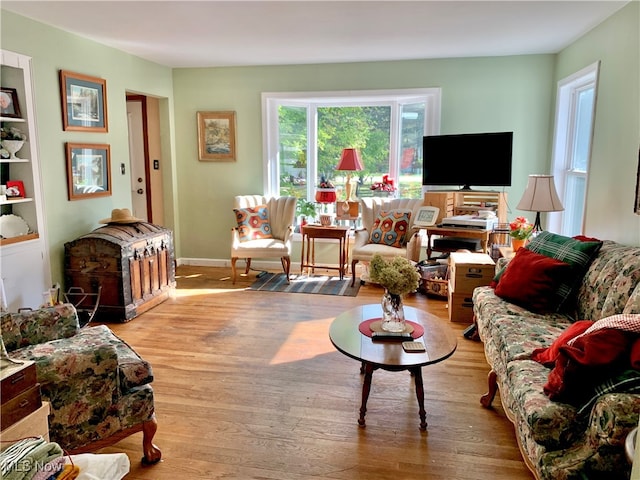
column 305, row 208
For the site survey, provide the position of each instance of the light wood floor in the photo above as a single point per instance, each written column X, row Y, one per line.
column 248, row 386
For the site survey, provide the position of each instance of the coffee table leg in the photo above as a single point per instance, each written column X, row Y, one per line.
column 366, row 388
column 417, row 378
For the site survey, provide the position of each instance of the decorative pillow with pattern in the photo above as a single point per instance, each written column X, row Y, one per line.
column 576, row 253
column 391, row 228
column 253, row 223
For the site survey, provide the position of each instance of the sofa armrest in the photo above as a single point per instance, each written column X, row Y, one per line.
column 602, row 448
column 414, row 245
column 501, row 263
column 613, row 416
column 32, row 327
column 74, row 364
column 360, row 237
column 288, row 234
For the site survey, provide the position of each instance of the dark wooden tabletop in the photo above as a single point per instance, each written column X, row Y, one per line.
column 438, row 338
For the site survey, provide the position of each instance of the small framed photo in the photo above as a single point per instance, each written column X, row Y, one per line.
column 426, row 216
column 88, row 170
column 84, row 102
column 9, row 106
column 217, row 136
column 14, row 189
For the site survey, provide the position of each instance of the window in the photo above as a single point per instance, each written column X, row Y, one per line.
column 305, row 133
column 575, row 111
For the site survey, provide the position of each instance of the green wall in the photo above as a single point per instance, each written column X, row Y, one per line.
column 616, row 138
column 478, row 94
column 52, row 50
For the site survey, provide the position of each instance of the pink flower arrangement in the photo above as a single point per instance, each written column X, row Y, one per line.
column 387, row 184
column 520, row 228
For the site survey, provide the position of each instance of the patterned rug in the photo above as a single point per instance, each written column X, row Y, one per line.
column 321, row 284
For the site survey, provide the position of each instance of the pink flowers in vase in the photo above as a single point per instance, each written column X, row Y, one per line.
column 520, row 228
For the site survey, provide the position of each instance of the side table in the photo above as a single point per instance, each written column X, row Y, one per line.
column 308, row 255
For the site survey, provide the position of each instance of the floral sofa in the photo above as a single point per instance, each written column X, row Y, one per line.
column 97, row 386
column 564, row 439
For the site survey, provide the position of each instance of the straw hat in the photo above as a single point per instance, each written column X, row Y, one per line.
column 121, row 215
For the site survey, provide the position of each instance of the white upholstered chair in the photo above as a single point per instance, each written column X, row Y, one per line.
column 364, row 250
column 282, row 212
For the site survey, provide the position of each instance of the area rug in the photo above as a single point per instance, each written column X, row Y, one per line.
column 321, row 284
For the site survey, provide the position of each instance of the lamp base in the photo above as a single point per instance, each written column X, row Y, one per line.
column 537, row 226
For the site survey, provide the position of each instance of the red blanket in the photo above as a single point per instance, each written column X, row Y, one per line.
column 590, row 359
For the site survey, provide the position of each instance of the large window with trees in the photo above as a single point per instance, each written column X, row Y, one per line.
column 305, row 134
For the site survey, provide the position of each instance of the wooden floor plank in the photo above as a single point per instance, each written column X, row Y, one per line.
column 248, row 386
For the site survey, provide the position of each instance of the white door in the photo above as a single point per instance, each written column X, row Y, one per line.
column 136, row 154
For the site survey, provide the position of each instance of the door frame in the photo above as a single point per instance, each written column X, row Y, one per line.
column 145, row 141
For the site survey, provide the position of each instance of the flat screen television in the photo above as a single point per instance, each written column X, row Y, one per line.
column 466, row 160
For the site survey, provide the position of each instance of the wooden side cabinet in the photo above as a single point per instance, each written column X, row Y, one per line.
column 456, row 202
column 33, row 425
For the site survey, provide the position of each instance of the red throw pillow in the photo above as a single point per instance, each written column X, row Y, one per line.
column 548, row 355
column 531, row 279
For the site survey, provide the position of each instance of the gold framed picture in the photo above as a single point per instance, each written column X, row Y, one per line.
column 84, row 102
column 88, row 170
column 217, row 136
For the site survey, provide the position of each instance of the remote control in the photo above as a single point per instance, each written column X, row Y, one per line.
column 397, row 336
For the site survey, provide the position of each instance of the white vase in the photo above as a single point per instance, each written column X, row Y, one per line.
column 392, row 313
column 13, row 147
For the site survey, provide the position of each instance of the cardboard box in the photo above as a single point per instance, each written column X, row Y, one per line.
column 470, row 270
column 460, row 307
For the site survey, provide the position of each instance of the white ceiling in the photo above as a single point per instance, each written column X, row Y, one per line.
column 212, row 33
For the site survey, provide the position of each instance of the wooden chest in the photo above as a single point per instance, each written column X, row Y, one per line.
column 133, row 263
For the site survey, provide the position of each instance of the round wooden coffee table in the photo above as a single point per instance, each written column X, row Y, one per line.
column 438, row 338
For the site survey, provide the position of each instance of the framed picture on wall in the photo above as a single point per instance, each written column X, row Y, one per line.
column 84, row 102
column 636, row 207
column 217, row 136
column 9, row 106
column 88, row 170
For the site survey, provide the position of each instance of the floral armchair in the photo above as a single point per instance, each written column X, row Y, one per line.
column 97, row 386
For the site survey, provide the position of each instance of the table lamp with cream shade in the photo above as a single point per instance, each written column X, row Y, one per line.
column 350, row 162
column 540, row 196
